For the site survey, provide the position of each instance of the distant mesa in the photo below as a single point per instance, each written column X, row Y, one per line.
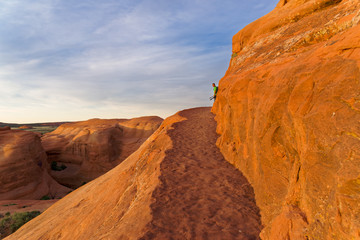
column 25, row 127
column 16, row 125
column 82, row 151
column 53, row 124
column 24, row 168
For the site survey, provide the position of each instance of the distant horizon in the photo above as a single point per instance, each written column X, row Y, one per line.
column 80, row 60
column 70, row 121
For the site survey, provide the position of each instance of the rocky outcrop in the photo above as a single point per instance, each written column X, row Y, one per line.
column 25, row 127
column 90, row 148
column 24, row 169
column 6, row 128
column 288, row 111
column 175, row 186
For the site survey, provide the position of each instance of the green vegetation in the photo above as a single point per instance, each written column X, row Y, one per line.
column 46, row 197
column 11, row 204
column 55, row 167
column 234, row 55
column 10, row 223
column 39, row 129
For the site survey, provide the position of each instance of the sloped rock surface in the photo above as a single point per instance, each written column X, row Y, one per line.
column 90, row 148
column 24, row 169
column 175, row 186
column 288, row 112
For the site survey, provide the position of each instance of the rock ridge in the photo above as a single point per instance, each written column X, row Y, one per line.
column 215, row 201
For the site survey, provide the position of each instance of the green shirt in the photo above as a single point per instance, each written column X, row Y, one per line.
column 215, row 90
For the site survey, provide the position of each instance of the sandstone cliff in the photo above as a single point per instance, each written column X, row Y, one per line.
column 175, row 186
column 24, row 169
column 288, row 111
column 90, row 148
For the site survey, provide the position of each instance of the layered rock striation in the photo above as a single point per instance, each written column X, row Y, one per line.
column 176, row 185
column 288, row 112
column 24, row 169
column 90, row 148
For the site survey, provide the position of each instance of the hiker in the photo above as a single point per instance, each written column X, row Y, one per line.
column 215, row 91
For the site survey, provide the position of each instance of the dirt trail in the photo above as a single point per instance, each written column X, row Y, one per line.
column 201, row 196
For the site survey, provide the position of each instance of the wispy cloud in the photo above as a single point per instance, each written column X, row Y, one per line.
column 69, row 60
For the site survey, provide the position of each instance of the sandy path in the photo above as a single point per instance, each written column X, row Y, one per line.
column 201, row 196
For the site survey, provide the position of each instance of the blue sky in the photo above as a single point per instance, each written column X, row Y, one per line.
column 67, row 60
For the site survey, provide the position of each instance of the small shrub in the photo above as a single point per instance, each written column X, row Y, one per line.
column 19, row 219
column 4, row 221
column 7, row 214
column 46, row 197
column 234, row 55
column 10, row 224
column 62, row 167
column 55, row 167
column 11, row 204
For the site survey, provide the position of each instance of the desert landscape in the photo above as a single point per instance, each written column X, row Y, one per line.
column 37, row 170
column 275, row 158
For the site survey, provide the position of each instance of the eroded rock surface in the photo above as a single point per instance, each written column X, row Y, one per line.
column 90, row 148
column 176, row 185
column 288, row 111
column 24, row 169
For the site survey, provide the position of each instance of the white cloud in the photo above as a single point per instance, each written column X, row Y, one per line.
column 68, row 60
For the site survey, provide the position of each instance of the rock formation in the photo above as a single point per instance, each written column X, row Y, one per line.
column 24, row 169
column 175, row 186
column 6, row 128
column 25, row 127
column 288, row 111
column 90, row 148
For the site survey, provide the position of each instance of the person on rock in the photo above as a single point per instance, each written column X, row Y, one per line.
column 215, row 91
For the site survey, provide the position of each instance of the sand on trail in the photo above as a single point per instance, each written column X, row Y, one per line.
column 201, row 195
column 177, row 185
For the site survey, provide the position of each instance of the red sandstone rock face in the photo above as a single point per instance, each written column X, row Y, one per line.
column 5, row 128
column 176, row 185
column 288, row 111
column 24, row 169
column 89, row 149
